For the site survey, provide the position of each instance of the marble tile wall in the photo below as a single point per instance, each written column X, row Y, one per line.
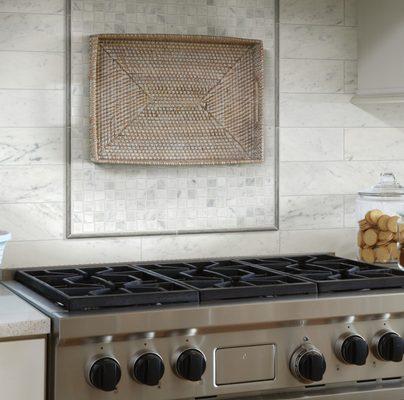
column 329, row 148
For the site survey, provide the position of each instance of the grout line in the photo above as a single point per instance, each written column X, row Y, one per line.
column 321, row 93
column 338, row 127
column 341, row 161
column 31, row 165
column 61, row 52
column 30, row 89
column 317, row 59
column 344, row 11
column 319, row 229
column 343, row 146
column 7, row 166
column 342, row 25
column 31, row 202
column 31, row 127
column 39, row 13
column 318, row 195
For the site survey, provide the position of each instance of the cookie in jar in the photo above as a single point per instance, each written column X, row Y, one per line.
column 377, row 212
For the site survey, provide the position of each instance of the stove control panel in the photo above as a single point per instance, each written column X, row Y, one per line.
column 260, row 359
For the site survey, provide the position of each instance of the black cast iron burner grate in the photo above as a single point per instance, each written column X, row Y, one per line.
column 118, row 285
column 231, row 279
column 334, row 274
column 87, row 288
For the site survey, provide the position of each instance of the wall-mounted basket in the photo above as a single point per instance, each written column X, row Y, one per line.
column 175, row 100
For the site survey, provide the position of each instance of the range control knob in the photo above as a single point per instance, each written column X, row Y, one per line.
column 308, row 364
column 105, row 374
column 352, row 349
column 148, row 369
column 191, row 365
column 388, row 346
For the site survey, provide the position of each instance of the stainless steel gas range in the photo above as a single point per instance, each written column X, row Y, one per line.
column 292, row 327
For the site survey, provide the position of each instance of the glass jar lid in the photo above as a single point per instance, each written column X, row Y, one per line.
column 386, row 187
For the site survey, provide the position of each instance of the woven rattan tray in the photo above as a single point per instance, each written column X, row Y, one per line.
column 174, row 99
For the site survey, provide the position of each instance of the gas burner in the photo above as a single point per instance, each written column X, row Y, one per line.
column 230, row 279
column 334, row 274
column 90, row 287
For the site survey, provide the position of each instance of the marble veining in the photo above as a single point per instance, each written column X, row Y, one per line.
column 311, row 212
column 29, row 32
column 33, row 221
column 335, row 110
column 339, row 177
column 351, row 76
column 22, row 146
column 311, row 144
column 32, row 6
column 33, row 184
column 318, row 42
column 312, row 12
column 46, row 70
column 31, row 108
column 311, row 76
column 365, row 143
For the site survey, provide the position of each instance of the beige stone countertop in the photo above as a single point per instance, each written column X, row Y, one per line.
column 18, row 318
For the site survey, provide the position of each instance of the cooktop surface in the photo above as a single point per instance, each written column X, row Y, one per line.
column 134, row 284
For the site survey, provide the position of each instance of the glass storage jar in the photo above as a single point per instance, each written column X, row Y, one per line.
column 401, row 241
column 377, row 212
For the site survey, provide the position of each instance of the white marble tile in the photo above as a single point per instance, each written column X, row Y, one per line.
column 22, row 146
column 342, row 242
column 311, row 144
column 351, row 13
column 32, row 184
column 391, row 115
column 374, row 143
column 31, row 70
column 335, row 110
column 318, row 42
column 31, row 108
column 70, row 251
column 312, row 12
column 311, row 76
column 310, row 212
column 350, row 219
column 210, row 245
column 32, row 6
column 31, row 32
column 339, row 177
column 33, row 221
column 351, row 76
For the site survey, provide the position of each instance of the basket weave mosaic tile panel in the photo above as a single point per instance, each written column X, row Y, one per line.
column 175, row 99
column 129, row 199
